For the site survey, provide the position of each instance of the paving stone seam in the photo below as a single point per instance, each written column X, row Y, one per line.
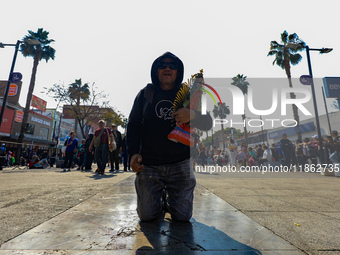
column 298, row 248
column 57, row 214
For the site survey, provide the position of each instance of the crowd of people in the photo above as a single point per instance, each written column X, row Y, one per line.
column 284, row 152
column 105, row 146
column 74, row 154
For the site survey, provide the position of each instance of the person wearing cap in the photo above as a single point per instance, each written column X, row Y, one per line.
column 164, row 179
column 2, row 156
column 106, row 142
column 114, row 155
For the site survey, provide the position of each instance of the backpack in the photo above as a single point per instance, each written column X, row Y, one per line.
column 149, row 92
column 309, row 151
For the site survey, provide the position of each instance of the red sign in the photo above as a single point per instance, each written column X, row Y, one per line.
column 13, row 90
column 7, row 121
column 39, row 103
column 19, row 115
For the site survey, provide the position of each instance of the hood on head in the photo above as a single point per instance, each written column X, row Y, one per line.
column 180, row 71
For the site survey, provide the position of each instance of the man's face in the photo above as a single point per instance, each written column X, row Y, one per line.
column 101, row 125
column 167, row 73
column 284, row 137
column 114, row 128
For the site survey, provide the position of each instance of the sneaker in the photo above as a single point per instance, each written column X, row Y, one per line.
column 69, row 170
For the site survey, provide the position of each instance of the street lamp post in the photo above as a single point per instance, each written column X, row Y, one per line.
column 2, row 45
column 9, row 78
column 323, row 50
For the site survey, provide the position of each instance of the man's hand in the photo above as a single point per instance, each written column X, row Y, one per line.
column 183, row 115
column 136, row 159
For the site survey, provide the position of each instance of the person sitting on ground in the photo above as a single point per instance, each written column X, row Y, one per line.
column 252, row 156
column 265, row 157
column 34, row 160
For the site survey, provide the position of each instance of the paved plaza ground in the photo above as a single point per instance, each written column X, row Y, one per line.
column 288, row 213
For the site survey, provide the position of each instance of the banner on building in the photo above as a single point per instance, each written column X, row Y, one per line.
column 13, row 90
column 19, row 115
column 38, row 103
column 7, row 121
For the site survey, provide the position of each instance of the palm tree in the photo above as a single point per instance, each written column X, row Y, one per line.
column 221, row 111
column 241, row 82
column 38, row 52
column 286, row 55
column 78, row 91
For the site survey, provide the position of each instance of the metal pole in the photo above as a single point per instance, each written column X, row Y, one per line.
column 245, row 129
column 9, row 82
column 324, row 99
column 322, row 156
column 262, row 135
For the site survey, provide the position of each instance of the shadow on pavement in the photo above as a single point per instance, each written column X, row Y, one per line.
column 97, row 176
column 173, row 237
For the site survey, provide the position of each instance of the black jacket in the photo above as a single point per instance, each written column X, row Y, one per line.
column 148, row 129
column 118, row 138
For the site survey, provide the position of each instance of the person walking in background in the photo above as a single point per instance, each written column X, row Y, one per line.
column 335, row 155
column 232, row 148
column 114, row 155
column 299, row 152
column 275, row 153
column 104, row 142
column 287, row 148
column 2, row 156
column 330, row 149
column 81, row 155
column 88, row 154
column 71, row 149
column 126, row 158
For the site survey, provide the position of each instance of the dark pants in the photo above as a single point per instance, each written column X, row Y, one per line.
column 262, row 162
column 68, row 159
column 288, row 158
column 102, row 156
column 88, row 160
column 126, row 160
column 114, row 159
column 81, row 160
column 2, row 162
column 177, row 179
column 300, row 160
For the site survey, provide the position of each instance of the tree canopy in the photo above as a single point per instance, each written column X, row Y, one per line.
column 85, row 105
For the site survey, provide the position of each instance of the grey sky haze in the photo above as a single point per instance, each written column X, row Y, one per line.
column 113, row 43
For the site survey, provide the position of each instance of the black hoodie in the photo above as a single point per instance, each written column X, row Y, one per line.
column 147, row 130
